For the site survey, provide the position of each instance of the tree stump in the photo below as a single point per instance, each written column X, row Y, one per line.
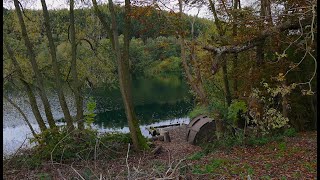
column 166, row 136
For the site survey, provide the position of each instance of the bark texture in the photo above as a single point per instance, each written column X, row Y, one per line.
column 76, row 83
column 236, row 4
column 138, row 140
column 35, row 68
column 55, row 65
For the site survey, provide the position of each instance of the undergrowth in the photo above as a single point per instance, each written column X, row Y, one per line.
column 198, row 110
column 239, row 139
column 64, row 147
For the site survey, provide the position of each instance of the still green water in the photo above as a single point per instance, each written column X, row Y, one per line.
column 155, row 100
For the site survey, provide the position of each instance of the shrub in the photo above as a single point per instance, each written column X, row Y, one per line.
column 198, row 110
column 291, row 132
column 76, row 145
column 272, row 119
column 236, row 107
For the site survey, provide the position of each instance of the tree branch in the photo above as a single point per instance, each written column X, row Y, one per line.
column 288, row 25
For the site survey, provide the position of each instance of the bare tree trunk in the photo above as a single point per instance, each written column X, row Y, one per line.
column 74, row 73
column 195, row 85
column 35, row 68
column 313, row 102
column 138, row 140
column 57, row 73
column 23, row 115
column 235, row 60
column 265, row 13
column 103, row 21
column 225, row 80
column 32, row 98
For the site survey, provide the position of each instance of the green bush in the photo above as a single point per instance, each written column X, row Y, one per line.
column 234, row 109
column 291, row 132
column 75, row 145
column 226, row 142
column 258, row 141
column 198, row 110
column 116, row 138
column 65, row 145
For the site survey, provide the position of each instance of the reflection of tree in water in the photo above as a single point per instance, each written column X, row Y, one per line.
column 145, row 91
column 147, row 114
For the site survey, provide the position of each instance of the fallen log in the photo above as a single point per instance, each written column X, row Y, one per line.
column 163, row 126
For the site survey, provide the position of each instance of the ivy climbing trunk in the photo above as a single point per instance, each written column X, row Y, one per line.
column 75, row 80
column 35, row 68
column 55, row 65
column 31, row 97
column 138, row 140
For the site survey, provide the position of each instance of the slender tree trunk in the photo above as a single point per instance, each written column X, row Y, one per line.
column 195, row 85
column 35, row 68
column 57, row 73
column 226, row 81
column 265, row 13
column 103, row 21
column 235, row 60
column 314, row 109
column 138, row 140
column 32, row 98
column 74, row 73
column 23, row 115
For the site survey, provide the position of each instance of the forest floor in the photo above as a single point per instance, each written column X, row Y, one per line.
column 291, row 158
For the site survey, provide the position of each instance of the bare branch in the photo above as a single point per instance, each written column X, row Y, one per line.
column 290, row 24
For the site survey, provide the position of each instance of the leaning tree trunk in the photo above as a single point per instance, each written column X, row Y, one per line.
column 103, row 21
column 57, row 73
column 196, row 86
column 74, row 73
column 23, row 115
column 32, row 98
column 38, row 75
column 138, row 140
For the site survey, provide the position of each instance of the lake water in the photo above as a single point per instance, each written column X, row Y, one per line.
column 157, row 101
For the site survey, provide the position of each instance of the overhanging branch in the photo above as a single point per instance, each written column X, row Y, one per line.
column 288, row 25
